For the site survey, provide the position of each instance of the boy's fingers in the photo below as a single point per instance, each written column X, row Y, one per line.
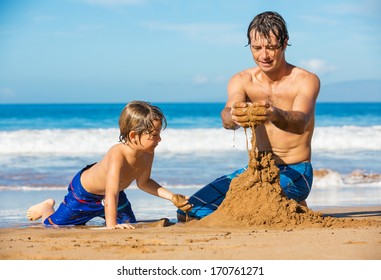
column 181, row 202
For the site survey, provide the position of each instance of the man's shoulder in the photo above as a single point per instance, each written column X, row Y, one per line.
column 303, row 73
column 245, row 75
column 306, row 81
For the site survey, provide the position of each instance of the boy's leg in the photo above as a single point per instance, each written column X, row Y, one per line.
column 125, row 212
column 41, row 210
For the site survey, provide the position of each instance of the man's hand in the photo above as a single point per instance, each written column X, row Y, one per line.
column 239, row 114
column 181, row 202
column 245, row 113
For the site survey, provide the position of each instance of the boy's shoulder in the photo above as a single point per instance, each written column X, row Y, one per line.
column 117, row 150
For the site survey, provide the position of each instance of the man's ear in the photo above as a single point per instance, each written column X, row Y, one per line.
column 285, row 45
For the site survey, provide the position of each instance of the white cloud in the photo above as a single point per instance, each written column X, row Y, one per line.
column 200, row 79
column 90, row 27
column 367, row 8
column 44, row 18
column 6, row 92
column 317, row 66
column 208, row 32
column 220, row 79
column 114, row 2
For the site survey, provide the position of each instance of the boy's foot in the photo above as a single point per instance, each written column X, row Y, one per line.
column 35, row 212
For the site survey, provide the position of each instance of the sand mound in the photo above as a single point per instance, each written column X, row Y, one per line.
column 255, row 199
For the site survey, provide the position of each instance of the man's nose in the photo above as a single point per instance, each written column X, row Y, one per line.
column 264, row 52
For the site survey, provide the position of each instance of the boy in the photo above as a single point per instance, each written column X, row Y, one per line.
column 98, row 189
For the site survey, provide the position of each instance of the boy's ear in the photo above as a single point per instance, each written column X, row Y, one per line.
column 134, row 137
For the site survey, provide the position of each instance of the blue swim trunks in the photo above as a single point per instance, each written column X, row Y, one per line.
column 295, row 180
column 80, row 206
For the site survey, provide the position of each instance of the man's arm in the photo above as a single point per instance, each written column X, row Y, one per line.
column 227, row 121
column 298, row 119
column 236, row 94
column 291, row 121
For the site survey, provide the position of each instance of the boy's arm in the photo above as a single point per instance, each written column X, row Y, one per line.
column 112, row 195
column 145, row 183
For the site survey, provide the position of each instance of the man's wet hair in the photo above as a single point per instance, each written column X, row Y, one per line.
column 268, row 23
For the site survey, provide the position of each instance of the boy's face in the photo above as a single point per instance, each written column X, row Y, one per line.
column 149, row 141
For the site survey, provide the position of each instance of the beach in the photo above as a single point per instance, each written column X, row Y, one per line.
column 192, row 242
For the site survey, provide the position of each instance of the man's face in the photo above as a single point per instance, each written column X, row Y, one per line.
column 266, row 53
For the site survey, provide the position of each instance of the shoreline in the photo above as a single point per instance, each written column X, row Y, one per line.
column 193, row 242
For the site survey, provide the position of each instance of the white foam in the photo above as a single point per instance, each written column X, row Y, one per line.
column 334, row 138
column 89, row 141
column 333, row 179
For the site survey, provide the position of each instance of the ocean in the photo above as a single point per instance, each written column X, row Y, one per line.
column 42, row 146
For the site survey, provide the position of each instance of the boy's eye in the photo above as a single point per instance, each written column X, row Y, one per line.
column 154, row 134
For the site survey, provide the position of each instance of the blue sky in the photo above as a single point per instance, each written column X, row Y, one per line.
column 65, row 51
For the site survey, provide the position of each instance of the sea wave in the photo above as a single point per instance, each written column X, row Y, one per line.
column 323, row 179
column 200, row 140
column 326, row 178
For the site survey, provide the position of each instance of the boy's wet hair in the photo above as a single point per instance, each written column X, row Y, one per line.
column 268, row 23
column 139, row 116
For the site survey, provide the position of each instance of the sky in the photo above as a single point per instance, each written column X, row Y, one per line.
column 108, row 51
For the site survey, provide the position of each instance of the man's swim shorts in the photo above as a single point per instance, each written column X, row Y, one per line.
column 80, row 206
column 295, row 180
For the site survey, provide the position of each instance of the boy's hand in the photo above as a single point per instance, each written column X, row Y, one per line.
column 181, row 202
column 122, row 226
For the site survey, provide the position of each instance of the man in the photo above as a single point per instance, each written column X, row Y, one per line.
column 284, row 96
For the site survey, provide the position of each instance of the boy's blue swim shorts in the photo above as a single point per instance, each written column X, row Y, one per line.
column 80, row 206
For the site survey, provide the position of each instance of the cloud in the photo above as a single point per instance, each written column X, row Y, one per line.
column 317, row 66
column 367, row 8
column 94, row 27
column 114, row 2
column 208, row 32
column 6, row 92
column 44, row 18
column 200, row 79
